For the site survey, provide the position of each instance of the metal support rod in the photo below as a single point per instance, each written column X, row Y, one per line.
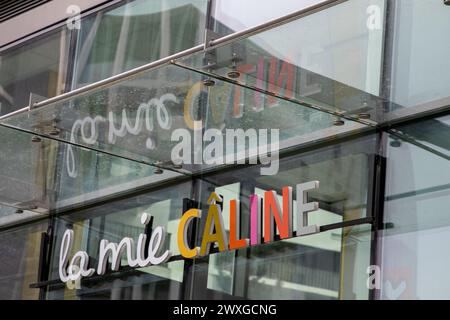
column 15, row 112
column 120, row 77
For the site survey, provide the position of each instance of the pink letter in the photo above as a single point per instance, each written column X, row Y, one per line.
column 255, row 219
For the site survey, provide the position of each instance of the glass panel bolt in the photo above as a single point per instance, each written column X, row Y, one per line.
column 395, row 143
column 338, row 122
column 36, row 139
column 177, row 166
column 54, row 131
column 364, row 116
column 209, row 82
column 233, row 73
column 158, row 170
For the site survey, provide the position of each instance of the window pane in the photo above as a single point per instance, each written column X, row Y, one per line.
column 140, row 119
column 37, row 66
column 421, row 71
column 40, row 176
column 330, row 60
column 136, row 33
column 417, row 216
column 19, row 265
column 235, row 15
column 342, row 42
column 328, row 265
column 113, row 222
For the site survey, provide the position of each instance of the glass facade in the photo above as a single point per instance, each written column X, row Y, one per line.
column 37, row 67
column 133, row 34
column 168, row 107
column 416, row 205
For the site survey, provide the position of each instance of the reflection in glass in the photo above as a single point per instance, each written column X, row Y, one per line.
column 36, row 176
column 330, row 59
column 38, row 67
column 417, row 217
column 136, row 33
column 138, row 119
column 328, row 265
column 19, row 265
column 113, row 222
column 421, row 70
column 234, row 15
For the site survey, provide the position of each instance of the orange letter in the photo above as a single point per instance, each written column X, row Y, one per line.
column 271, row 205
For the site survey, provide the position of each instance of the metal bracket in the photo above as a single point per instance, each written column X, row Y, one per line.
column 35, row 98
column 44, row 259
column 210, row 36
column 210, row 57
column 186, row 285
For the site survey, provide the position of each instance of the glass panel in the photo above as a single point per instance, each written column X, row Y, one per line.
column 36, row 176
column 343, row 170
column 416, row 212
column 146, row 118
column 19, row 265
column 330, row 59
column 335, row 60
column 10, row 215
column 38, row 66
column 310, row 267
column 135, row 33
column 235, row 15
column 114, row 221
column 133, row 119
column 328, row 265
column 421, row 72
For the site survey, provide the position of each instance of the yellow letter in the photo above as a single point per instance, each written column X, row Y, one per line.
column 213, row 221
column 185, row 251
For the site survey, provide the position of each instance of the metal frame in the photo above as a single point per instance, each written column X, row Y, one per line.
column 377, row 180
column 376, row 197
